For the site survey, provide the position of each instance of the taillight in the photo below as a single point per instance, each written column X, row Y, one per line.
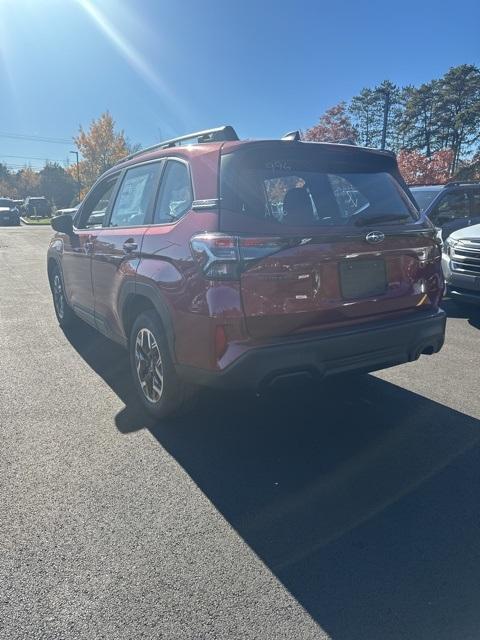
column 224, row 257
column 430, row 253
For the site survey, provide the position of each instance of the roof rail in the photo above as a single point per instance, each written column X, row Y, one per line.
column 219, row 134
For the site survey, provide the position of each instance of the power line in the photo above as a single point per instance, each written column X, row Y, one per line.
column 24, row 136
column 34, row 167
column 23, row 166
column 44, row 159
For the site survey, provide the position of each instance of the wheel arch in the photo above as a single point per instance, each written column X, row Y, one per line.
column 138, row 297
column 54, row 263
column 51, row 264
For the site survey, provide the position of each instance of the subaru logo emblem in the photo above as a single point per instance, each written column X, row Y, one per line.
column 374, row 237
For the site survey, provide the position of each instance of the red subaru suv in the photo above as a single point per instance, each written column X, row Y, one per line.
column 240, row 263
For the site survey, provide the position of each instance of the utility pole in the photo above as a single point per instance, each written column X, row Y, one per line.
column 79, row 186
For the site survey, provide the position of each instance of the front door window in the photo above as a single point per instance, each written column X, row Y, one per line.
column 95, row 207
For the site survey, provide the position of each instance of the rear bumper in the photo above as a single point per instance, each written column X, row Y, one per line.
column 363, row 348
column 10, row 222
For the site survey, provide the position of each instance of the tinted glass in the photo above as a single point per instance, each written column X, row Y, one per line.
column 135, row 196
column 452, row 206
column 475, row 203
column 95, row 207
column 424, row 197
column 307, row 186
column 175, row 197
column 5, row 202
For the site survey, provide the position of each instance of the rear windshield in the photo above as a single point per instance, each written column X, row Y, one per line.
column 424, row 197
column 309, row 186
column 5, row 202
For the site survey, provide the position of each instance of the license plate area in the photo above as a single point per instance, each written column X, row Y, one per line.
column 362, row 278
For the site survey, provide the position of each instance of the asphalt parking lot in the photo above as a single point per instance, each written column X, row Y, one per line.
column 349, row 511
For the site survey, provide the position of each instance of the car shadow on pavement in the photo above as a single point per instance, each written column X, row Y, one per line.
column 361, row 497
column 470, row 312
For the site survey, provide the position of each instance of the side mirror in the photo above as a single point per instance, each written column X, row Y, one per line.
column 63, row 224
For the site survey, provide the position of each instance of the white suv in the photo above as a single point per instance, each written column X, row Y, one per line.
column 461, row 264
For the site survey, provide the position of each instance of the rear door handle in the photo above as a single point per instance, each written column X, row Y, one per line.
column 129, row 246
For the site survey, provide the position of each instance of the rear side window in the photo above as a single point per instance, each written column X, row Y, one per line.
column 175, row 197
column 308, row 186
column 135, row 196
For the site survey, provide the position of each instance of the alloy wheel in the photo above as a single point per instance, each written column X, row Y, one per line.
column 148, row 364
column 58, row 297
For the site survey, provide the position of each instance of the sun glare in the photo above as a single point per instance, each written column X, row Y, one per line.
column 131, row 54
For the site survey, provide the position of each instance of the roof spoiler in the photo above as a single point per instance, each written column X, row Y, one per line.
column 219, row 134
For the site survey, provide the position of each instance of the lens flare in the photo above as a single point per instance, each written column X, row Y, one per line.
column 132, row 55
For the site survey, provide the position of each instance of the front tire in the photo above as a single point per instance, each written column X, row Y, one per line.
column 160, row 390
column 65, row 316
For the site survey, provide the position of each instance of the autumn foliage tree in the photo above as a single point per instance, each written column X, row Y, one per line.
column 101, row 146
column 418, row 168
column 333, row 125
column 19, row 184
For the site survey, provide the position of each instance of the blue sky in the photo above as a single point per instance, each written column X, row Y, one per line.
column 164, row 68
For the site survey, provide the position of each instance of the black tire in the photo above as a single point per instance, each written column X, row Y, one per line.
column 65, row 316
column 160, row 390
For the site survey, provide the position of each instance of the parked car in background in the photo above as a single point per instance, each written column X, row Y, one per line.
column 9, row 213
column 461, row 264
column 37, row 206
column 179, row 254
column 450, row 207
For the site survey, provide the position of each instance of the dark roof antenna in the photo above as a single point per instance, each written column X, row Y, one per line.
column 294, row 136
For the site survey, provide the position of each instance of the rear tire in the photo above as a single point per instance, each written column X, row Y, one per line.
column 160, row 390
column 65, row 315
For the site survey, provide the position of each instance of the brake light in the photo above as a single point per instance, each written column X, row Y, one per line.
column 224, row 257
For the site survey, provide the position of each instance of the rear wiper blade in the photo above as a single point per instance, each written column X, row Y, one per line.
column 381, row 217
